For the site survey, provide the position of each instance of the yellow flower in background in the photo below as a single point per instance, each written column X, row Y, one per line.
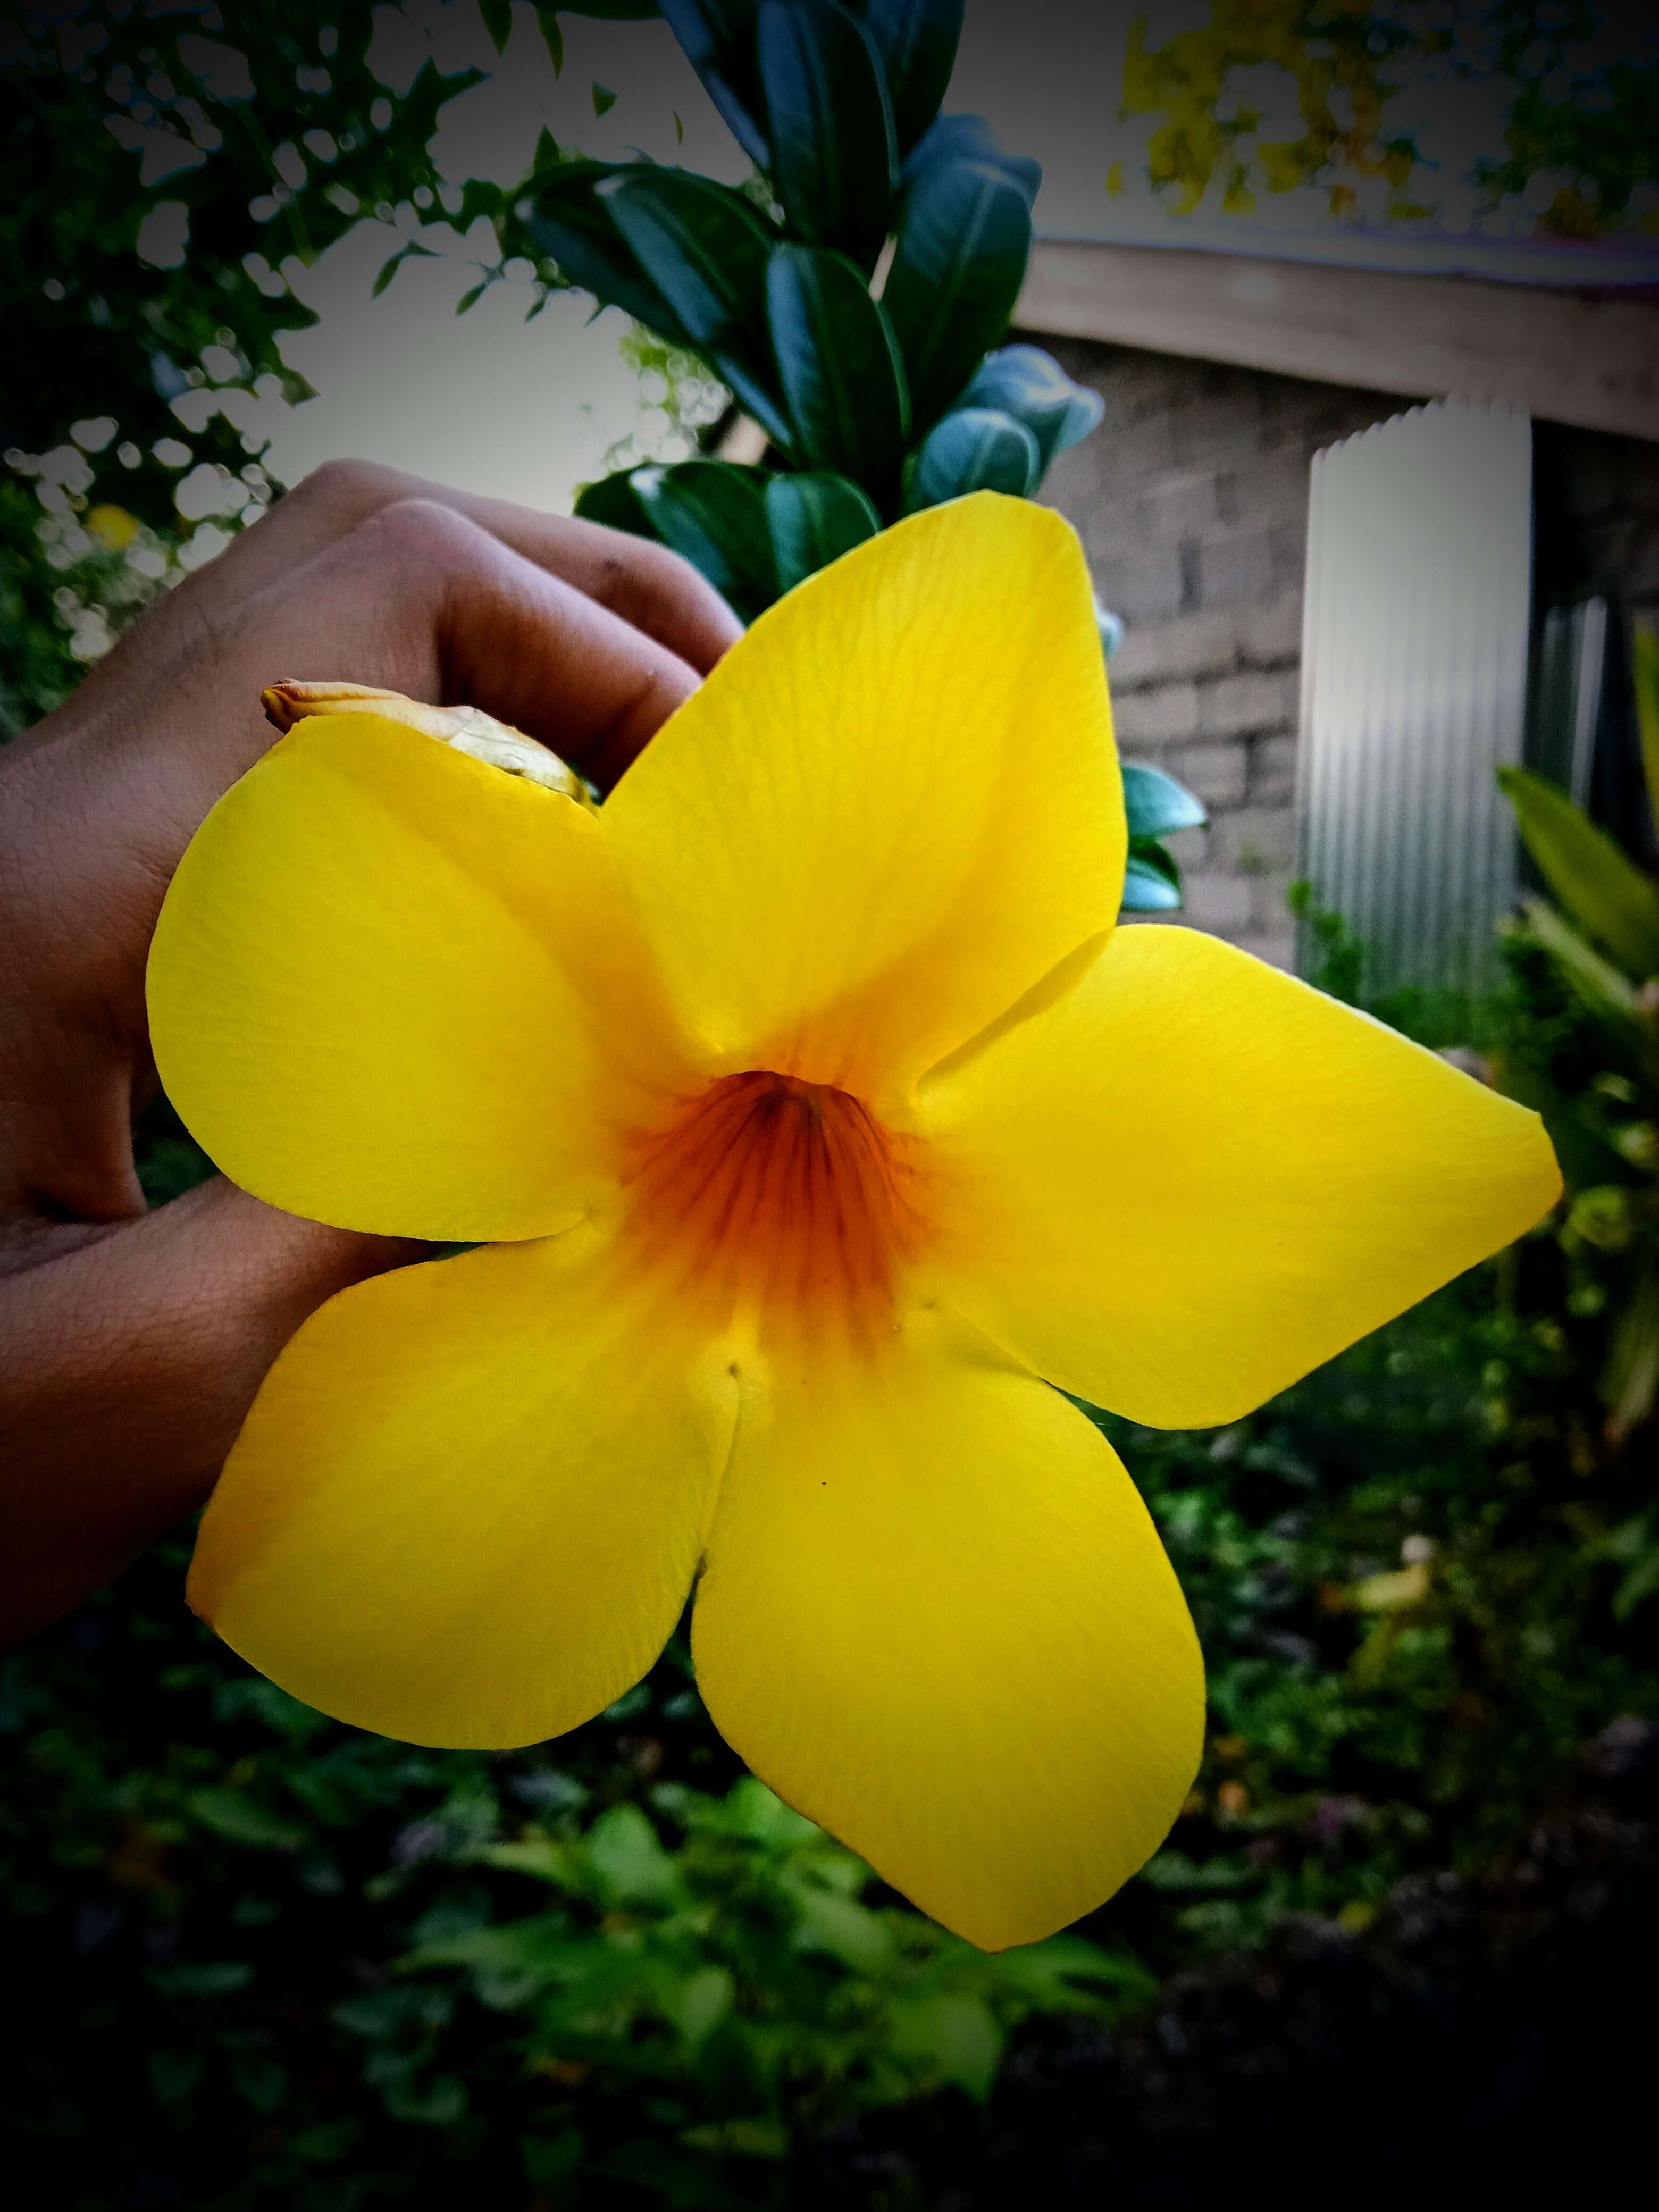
column 114, row 527
column 812, row 1120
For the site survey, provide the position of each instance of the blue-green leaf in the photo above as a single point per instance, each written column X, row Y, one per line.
column 964, row 238
column 565, row 217
column 975, row 449
column 917, row 42
column 714, row 513
column 613, row 501
column 702, row 246
column 1031, row 386
column 839, row 365
column 717, row 39
column 1596, row 881
column 1156, row 806
column 1148, row 888
column 834, row 163
column 814, row 519
column 970, row 138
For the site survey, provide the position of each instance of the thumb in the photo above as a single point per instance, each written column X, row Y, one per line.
column 129, row 1354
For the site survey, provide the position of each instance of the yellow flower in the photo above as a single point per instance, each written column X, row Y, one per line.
column 114, row 527
column 814, row 1121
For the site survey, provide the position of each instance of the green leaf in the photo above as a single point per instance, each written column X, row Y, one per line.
column 613, row 501
column 565, row 217
column 1644, row 675
column 242, row 1819
column 970, row 138
column 604, row 99
column 624, row 1848
column 976, row 449
column 497, row 20
column 1146, row 886
column 917, row 42
column 814, row 519
column 611, row 11
column 714, row 513
column 1031, row 384
column 1594, row 877
column 553, row 37
column 389, row 269
column 957, row 2038
column 703, row 248
column 964, row 238
column 717, row 39
column 835, row 167
column 1156, row 806
column 838, row 362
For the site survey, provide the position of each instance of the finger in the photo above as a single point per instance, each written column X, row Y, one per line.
column 131, row 1357
column 643, row 583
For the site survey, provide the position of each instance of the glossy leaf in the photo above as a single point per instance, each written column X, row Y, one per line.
column 614, row 501
column 714, row 514
column 1031, row 386
column 814, row 519
column 754, row 396
column 839, row 366
column 1156, row 806
column 718, row 38
column 702, row 246
column 1595, row 879
column 834, row 163
column 565, row 217
column 975, row 449
column 917, row 42
column 1148, row 888
column 964, row 238
column 970, row 138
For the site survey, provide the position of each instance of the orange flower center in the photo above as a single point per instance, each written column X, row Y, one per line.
column 783, row 1196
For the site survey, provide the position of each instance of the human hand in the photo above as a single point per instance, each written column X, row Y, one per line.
column 131, row 1343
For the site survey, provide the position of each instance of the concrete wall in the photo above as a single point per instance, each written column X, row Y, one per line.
column 1192, row 501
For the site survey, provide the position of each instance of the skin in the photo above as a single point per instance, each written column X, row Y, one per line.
column 132, row 1342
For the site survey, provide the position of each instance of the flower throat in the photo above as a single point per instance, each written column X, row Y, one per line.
column 780, row 1195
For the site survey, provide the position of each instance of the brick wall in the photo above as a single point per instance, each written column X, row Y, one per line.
column 1191, row 500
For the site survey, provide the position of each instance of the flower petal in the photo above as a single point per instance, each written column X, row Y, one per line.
column 1189, row 1179
column 468, row 1503
column 394, row 989
column 894, row 804
column 937, row 1619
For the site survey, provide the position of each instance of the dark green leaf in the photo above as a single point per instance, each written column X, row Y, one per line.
column 970, row 138
column 613, row 501
column 976, row 449
column 834, row 163
column 1146, row 887
column 839, row 366
column 497, row 20
column 964, row 238
column 1156, row 804
column 702, row 246
column 564, row 217
column 1031, row 386
column 718, row 38
column 714, row 514
column 611, row 11
column 1597, row 882
column 917, row 42
column 814, row 519
column 553, row 36
column 604, row 99
column 754, row 396
column 389, row 269
column 470, row 297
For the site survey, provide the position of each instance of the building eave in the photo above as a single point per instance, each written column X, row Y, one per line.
column 1592, row 360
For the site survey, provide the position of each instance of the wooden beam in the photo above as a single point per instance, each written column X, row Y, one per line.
column 1554, row 354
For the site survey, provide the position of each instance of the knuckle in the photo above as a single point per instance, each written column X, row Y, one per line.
column 421, row 533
